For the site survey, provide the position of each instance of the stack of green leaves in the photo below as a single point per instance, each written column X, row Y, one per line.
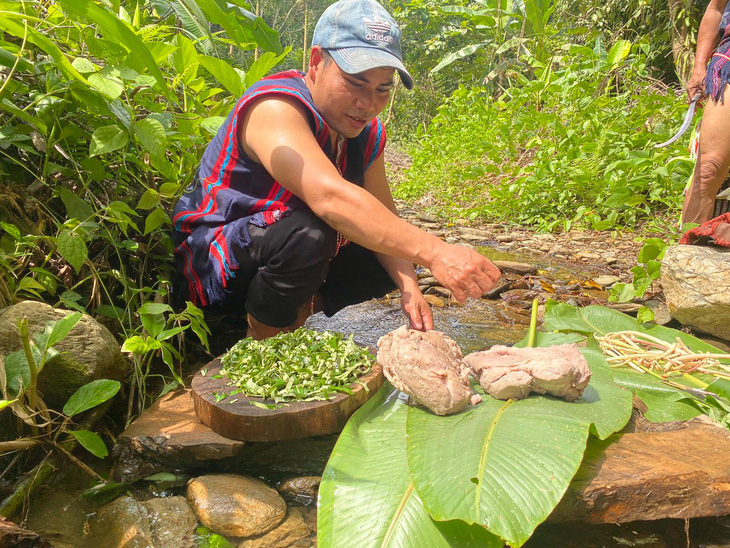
column 304, row 365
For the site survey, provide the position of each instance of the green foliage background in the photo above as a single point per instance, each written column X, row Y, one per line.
column 532, row 112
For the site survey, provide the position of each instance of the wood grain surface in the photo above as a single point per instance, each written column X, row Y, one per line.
column 240, row 420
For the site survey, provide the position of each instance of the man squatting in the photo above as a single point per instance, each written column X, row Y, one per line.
column 290, row 211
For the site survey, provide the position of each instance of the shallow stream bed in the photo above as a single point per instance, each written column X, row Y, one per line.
column 60, row 514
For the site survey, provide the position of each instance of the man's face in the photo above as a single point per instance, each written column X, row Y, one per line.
column 348, row 102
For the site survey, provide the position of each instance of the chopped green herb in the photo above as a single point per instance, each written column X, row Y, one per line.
column 304, row 365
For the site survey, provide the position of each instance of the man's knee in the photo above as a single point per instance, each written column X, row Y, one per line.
column 710, row 173
column 312, row 237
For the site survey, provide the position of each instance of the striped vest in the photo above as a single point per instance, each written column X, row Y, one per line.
column 230, row 190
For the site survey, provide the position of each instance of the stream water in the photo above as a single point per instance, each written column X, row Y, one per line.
column 60, row 514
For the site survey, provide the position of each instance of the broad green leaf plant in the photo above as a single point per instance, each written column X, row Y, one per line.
column 105, row 111
column 485, row 476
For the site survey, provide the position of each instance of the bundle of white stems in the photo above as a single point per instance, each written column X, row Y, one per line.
column 646, row 353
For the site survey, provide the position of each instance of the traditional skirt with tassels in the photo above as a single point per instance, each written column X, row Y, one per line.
column 718, row 69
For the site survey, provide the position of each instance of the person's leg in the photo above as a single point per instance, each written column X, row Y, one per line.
column 713, row 161
column 355, row 276
column 294, row 255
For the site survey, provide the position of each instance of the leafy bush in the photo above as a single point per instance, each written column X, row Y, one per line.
column 105, row 111
column 571, row 146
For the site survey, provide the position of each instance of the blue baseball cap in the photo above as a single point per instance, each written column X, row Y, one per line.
column 361, row 35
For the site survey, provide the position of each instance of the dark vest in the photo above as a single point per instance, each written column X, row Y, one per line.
column 231, row 190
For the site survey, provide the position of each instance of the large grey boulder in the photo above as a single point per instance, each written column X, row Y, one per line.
column 696, row 283
column 88, row 353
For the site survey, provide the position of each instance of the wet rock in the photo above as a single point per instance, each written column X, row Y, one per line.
column 476, row 233
column 626, row 308
column 661, row 312
column 504, row 238
column 434, row 300
column 543, row 237
column 426, row 218
column 586, row 256
column 440, row 291
column 172, row 522
column 607, row 280
column 12, row 536
column 234, row 505
column 430, row 226
column 292, row 532
column 514, row 267
column 474, row 238
column 696, row 283
column 304, row 488
column 310, row 516
column 88, row 353
column 497, row 291
column 123, row 523
column 57, row 516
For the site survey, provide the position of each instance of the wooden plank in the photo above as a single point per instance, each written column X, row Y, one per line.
column 681, row 473
column 240, row 420
column 168, row 436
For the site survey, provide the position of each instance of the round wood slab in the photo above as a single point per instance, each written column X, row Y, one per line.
column 242, row 421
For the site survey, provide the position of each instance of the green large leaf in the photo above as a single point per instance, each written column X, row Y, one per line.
column 463, row 52
column 17, row 373
column 37, row 38
column 263, row 65
column 76, row 208
column 90, row 395
column 665, row 403
column 72, row 247
column 9, row 59
column 151, row 134
column 107, row 139
column 601, row 320
column 618, row 53
column 7, row 105
column 506, row 465
column 116, row 29
column 367, row 499
column 109, row 86
column 91, row 442
column 194, row 21
column 61, row 328
column 224, row 73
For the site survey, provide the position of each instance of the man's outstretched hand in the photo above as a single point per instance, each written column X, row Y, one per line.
column 416, row 309
column 464, row 272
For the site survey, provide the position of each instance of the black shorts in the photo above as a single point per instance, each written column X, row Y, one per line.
column 291, row 260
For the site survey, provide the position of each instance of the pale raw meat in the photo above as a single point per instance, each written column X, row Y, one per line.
column 428, row 367
column 512, row 373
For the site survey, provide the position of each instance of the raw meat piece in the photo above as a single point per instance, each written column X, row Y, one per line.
column 428, row 367
column 512, row 373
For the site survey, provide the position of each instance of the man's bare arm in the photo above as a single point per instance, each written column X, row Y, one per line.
column 707, row 37
column 276, row 132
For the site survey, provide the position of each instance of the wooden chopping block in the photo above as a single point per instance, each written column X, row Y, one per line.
column 241, row 420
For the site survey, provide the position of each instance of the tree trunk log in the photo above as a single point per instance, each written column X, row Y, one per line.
column 684, row 22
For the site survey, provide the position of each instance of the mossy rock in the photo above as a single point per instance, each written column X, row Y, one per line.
column 88, row 353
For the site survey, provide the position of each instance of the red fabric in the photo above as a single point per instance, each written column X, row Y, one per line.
column 713, row 232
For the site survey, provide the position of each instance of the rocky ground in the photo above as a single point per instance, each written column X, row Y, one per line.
column 612, row 253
